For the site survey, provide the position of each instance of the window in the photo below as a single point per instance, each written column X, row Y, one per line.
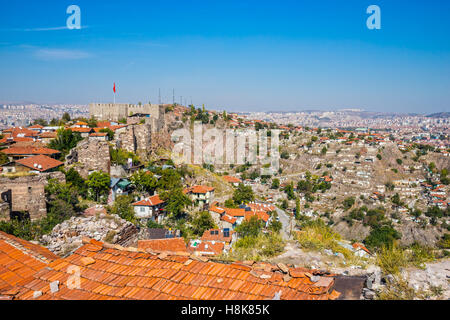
column 142, row 209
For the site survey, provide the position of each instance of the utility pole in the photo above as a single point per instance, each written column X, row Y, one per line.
column 159, row 96
column 173, row 96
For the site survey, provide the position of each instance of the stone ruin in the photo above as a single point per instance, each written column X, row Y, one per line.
column 67, row 236
column 25, row 194
column 89, row 156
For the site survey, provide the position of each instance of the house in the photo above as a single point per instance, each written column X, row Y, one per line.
column 46, row 137
column 80, row 124
column 225, row 236
column 84, row 132
column 102, row 136
column 17, row 153
column 232, row 180
column 119, row 187
column 37, row 164
column 200, row 195
column 150, row 208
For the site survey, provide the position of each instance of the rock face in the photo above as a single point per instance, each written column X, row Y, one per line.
column 89, row 156
column 412, row 233
column 357, row 231
column 67, row 236
column 26, row 194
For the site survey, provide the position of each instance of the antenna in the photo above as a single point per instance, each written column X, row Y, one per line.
column 159, row 96
column 173, row 96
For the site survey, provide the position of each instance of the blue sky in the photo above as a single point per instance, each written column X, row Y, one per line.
column 238, row 55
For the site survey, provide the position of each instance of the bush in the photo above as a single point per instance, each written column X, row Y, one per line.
column 382, row 236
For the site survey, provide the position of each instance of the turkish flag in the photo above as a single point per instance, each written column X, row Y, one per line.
column 114, row 88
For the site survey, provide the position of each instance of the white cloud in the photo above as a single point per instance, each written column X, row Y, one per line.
column 61, row 54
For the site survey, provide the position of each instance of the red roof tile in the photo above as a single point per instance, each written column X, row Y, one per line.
column 113, row 272
column 40, row 163
column 172, row 245
column 149, row 202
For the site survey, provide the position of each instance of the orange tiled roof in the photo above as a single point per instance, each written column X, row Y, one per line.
column 45, row 163
column 171, row 245
column 198, row 189
column 260, row 214
column 48, row 135
column 208, row 248
column 149, row 202
column 29, row 150
column 231, row 179
column 216, row 209
column 207, row 236
column 228, row 219
column 235, row 212
column 81, row 130
column 262, row 207
column 113, row 272
column 19, row 260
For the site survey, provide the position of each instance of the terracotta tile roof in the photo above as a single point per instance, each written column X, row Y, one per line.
column 36, row 126
column 98, row 134
column 216, row 209
column 262, row 207
column 208, row 248
column 113, row 272
column 171, row 245
column 19, row 260
column 29, row 150
column 40, row 163
column 235, row 212
column 47, row 135
column 199, row 189
column 260, row 214
column 216, row 235
column 81, row 130
column 228, row 219
column 149, row 202
column 231, row 179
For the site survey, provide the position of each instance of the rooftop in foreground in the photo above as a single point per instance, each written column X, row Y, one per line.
column 113, row 272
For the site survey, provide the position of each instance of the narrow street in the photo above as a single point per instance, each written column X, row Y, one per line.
column 286, row 221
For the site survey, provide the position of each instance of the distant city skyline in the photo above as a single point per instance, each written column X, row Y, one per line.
column 239, row 56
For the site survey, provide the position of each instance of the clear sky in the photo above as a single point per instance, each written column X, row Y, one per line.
column 239, row 55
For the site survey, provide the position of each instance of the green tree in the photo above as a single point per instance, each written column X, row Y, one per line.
column 109, row 132
column 144, row 181
column 65, row 141
column 243, row 194
column 289, row 190
column 175, row 201
column 382, row 236
column 348, row 203
column 74, row 179
column 98, row 184
column 66, row 117
column 203, row 221
column 275, row 184
column 123, row 208
column 250, row 228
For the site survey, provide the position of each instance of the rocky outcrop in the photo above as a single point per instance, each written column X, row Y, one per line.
column 411, row 232
column 89, row 156
column 66, row 237
column 358, row 231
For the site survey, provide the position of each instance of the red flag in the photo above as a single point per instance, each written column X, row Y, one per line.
column 114, row 88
